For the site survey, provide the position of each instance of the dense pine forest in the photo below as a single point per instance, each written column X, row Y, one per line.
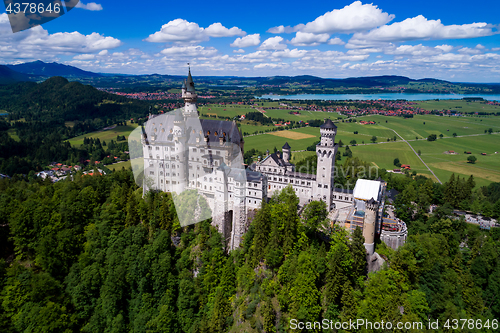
column 94, row 255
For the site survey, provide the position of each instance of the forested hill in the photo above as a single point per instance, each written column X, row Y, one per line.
column 8, row 76
column 57, row 98
column 33, row 133
column 94, row 255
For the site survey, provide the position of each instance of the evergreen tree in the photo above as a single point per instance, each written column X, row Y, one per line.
column 358, row 252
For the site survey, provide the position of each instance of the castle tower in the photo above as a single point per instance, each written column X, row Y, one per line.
column 239, row 210
column 326, row 150
column 189, row 95
column 220, row 212
column 286, row 152
column 369, row 222
column 179, row 166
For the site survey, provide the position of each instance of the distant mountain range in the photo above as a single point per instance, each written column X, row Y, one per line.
column 51, row 69
column 40, row 71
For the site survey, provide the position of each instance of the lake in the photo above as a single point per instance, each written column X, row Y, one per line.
column 386, row 96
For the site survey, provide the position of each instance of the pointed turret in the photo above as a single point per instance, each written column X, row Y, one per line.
column 189, row 82
column 286, row 152
column 190, row 97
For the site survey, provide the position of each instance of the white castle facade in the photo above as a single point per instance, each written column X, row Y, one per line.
column 182, row 152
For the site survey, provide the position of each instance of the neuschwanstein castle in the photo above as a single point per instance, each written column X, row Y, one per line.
column 182, row 152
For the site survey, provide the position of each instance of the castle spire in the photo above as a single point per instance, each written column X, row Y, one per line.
column 189, row 96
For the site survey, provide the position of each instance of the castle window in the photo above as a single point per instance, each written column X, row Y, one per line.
column 174, row 182
column 326, row 186
column 205, row 178
column 319, row 185
column 202, row 150
column 167, row 182
column 151, row 172
column 150, row 148
column 157, row 157
column 210, row 188
column 161, row 173
column 215, row 133
column 157, row 148
column 210, row 180
column 194, row 150
column 161, row 181
column 163, row 130
column 217, row 153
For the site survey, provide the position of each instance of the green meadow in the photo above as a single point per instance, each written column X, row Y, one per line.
column 106, row 135
column 470, row 132
column 461, row 106
column 119, row 165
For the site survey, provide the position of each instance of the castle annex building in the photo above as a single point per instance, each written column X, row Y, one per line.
column 182, row 152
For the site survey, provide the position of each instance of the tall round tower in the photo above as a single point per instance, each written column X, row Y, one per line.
column 189, row 95
column 326, row 150
column 286, row 152
column 369, row 225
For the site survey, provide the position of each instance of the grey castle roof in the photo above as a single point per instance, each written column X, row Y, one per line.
column 277, row 159
column 328, row 124
column 190, row 83
column 161, row 128
column 286, row 146
column 254, row 176
column 343, row 190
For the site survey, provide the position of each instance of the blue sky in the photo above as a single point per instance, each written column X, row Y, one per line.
column 451, row 40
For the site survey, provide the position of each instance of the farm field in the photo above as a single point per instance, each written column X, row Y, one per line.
column 228, row 111
column 119, row 165
column 485, row 170
column 298, row 139
column 410, row 128
column 458, row 105
column 304, row 115
column 13, row 134
column 106, row 135
column 382, row 154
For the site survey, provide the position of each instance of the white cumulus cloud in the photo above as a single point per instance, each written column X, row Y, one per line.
column 89, row 6
column 190, row 51
column 182, row 31
column 352, row 18
column 250, row 40
column 282, row 29
column 273, row 43
column 218, row 30
column 309, row 39
column 419, row 27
